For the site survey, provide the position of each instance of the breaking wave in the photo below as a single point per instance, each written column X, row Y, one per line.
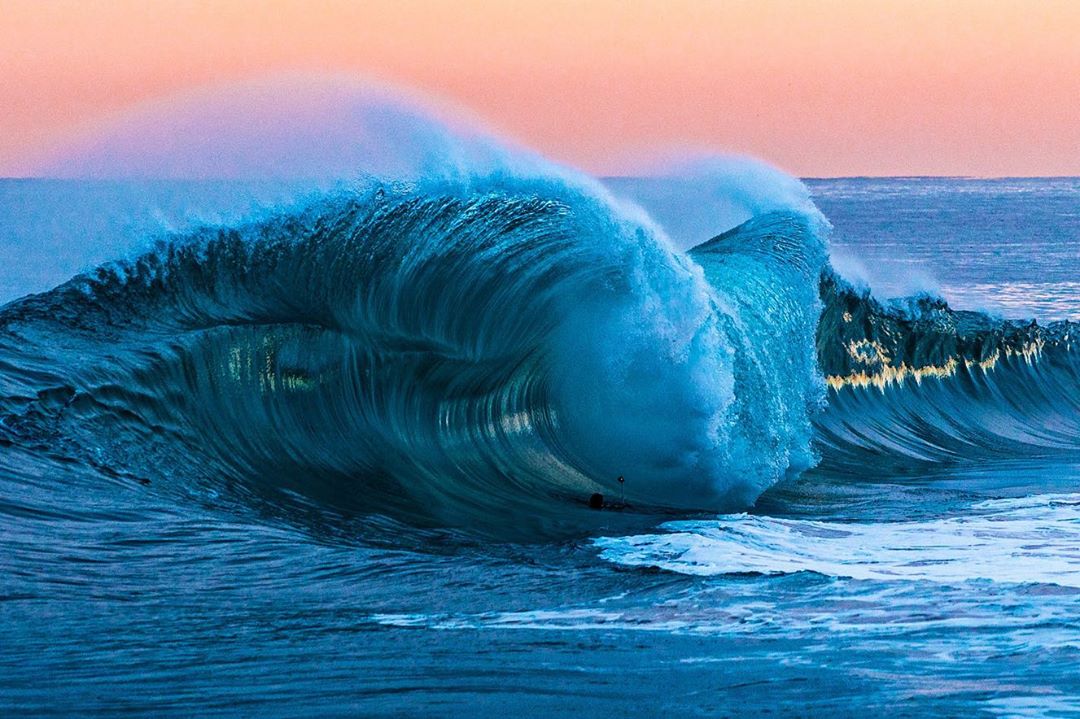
column 440, row 351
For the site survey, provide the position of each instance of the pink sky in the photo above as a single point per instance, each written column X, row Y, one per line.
column 962, row 87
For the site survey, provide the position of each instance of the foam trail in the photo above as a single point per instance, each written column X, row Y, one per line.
column 1033, row 539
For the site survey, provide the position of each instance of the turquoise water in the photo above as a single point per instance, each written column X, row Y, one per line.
column 337, row 462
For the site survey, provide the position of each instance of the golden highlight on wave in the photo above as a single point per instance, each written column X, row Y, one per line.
column 881, row 373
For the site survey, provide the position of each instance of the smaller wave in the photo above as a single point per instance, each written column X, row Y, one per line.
column 913, row 381
column 1034, row 539
column 864, row 342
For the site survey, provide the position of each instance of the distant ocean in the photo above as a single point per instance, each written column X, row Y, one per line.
column 266, row 452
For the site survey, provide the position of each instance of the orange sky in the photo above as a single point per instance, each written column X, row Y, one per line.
column 971, row 87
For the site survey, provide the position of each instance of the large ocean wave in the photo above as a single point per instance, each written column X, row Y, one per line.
column 494, row 340
column 440, row 351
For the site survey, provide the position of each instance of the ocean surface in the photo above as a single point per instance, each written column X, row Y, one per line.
column 329, row 453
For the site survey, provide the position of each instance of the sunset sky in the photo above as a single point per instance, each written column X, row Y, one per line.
column 856, row 87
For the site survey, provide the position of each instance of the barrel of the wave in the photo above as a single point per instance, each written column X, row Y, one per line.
column 764, row 275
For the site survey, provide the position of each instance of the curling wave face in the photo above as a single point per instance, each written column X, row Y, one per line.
column 441, row 352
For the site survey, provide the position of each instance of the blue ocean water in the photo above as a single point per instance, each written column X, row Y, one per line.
column 329, row 453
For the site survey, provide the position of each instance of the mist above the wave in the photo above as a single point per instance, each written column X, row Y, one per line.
column 234, row 153
column 284, row 137
column 885, row 282
column 699, row 196
column 304, row 128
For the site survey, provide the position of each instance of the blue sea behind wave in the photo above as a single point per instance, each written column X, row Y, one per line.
column 176, row 431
